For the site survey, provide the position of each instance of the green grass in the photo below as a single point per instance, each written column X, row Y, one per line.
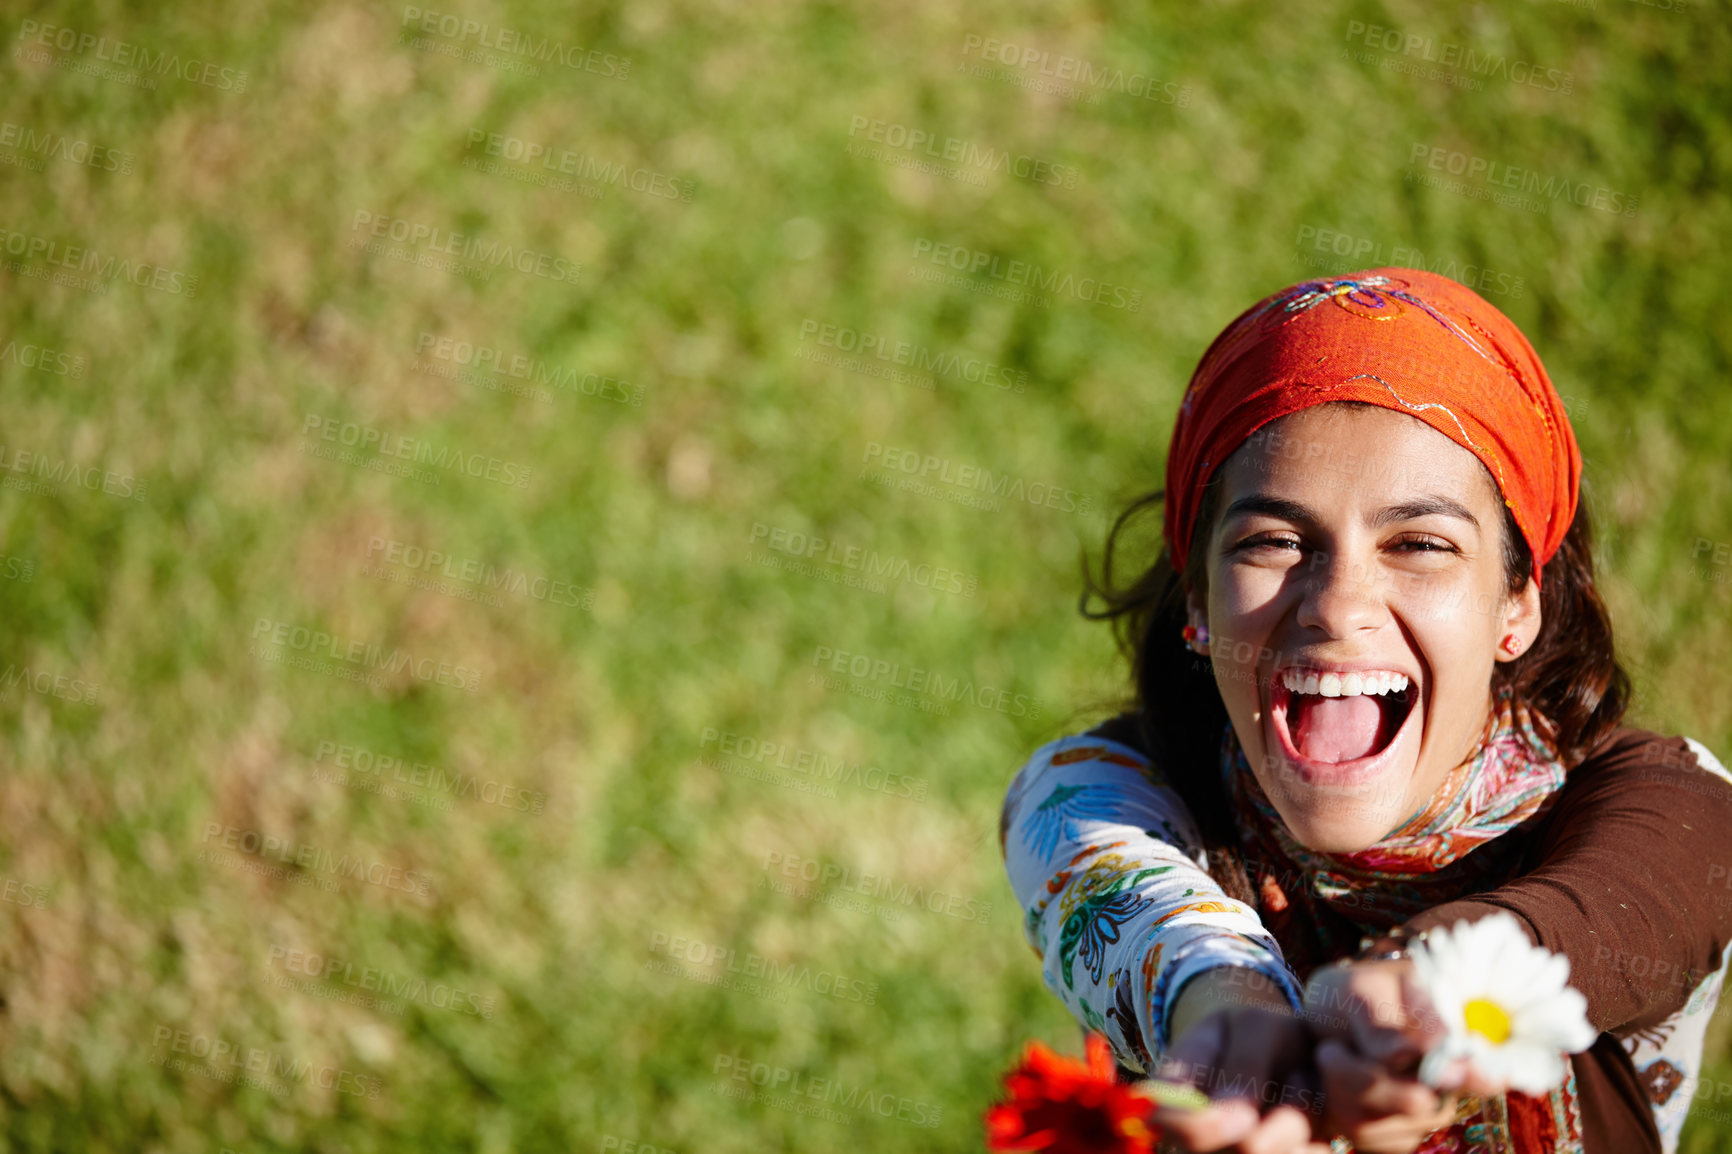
column 645, row 514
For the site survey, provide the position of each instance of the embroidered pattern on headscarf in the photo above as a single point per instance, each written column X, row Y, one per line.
column 1402, row 339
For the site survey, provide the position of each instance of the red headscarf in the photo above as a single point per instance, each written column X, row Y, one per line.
column 1406, row 340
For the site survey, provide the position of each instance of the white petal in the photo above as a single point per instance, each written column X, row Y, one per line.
column 1494, row 960
column 1543, row 972
column 1445, row 1050
column 1431, row 1066
column 1531, row 1069
column 1560, row 1021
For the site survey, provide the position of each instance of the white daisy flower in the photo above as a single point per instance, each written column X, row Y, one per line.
column 1506, row 1004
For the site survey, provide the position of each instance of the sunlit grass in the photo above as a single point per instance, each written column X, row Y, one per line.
column 593, row 703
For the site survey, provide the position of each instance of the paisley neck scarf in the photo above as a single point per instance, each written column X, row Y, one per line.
column 1324, row 903
column 1319, row 905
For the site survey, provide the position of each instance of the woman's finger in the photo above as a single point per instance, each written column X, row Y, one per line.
column 1394, row 1050
column 1422, row 1021
column 1359, row 1089
column 1379, row 1112
column 1283, row 1130
column 1398, row 1134
column 1215, row 1128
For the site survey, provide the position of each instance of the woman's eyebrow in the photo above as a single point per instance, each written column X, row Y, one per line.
column 1427, row 506
column 1270, row 506
column 1290, row 510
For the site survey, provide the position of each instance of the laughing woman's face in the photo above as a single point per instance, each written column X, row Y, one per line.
column 1356, row 605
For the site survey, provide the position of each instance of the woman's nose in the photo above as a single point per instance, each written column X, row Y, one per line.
column 1340, row 594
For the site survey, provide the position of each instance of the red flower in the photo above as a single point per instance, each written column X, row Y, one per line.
column 1065, row 1106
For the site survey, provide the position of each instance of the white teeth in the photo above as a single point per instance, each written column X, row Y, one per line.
column 1375, row 682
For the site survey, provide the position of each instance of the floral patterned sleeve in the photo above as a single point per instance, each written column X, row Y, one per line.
column 1107, row 865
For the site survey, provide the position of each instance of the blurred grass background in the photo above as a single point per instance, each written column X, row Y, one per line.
column 121, row 944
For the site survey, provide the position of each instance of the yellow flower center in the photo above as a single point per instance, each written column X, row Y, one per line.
column 1487, row 1019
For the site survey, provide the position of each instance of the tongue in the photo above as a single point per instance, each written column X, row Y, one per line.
column 1337, row 728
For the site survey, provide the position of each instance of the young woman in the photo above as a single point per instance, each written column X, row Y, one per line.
column 1376, row 693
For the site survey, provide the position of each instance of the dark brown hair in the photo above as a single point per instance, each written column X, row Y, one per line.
column 1570, row 679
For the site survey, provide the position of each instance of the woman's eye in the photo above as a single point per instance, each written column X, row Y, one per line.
column 1271, row 542
column 1425, row 545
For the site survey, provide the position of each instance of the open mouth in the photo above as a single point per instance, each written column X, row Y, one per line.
column 1338, row 728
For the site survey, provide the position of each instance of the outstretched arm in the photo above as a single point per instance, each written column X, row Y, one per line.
column 1631, row 880
column 1631, row 877
column 1107, row 868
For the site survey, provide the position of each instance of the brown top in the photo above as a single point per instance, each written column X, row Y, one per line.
column 1629, row 872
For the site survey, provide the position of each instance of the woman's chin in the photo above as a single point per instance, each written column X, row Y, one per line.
column 1341, row 807
column 1339, row 831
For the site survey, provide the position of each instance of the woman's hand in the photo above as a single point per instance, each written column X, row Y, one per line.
column 1373, row 1025
column 1380, row 1112
column 1239, row 1041
column 1284, row 1083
